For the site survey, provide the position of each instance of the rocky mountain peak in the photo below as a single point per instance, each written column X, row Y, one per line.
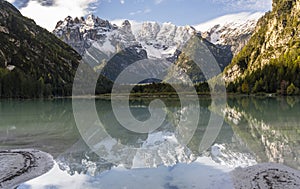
column 190, row 28
column 126, row 26
column 126, row 23
column 94, row 21
column 68, row 18
column 91, row 22
column 90, row 19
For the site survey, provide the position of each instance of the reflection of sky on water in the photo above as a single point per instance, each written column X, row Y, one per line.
column 204, row 172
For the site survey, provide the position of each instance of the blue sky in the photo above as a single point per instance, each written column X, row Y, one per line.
column 181, row 12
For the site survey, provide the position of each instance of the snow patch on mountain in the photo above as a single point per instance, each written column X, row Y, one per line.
column 229, row 20
column 230, row 30
column 160, row 40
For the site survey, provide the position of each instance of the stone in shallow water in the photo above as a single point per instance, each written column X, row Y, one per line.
column 18, row 166
column 266, row 175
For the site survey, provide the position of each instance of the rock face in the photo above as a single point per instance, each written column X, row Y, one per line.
column 272, row 51
column 207, row 56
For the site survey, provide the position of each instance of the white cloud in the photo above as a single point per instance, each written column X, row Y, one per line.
column 158, row 1
column 249, row 5
column 11, row 1
column 135, row 13
column 147, row 10
column 48, row 16
column 122, row 1
column 238, row 19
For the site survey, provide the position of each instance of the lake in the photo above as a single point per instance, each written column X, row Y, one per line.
column 196, row 145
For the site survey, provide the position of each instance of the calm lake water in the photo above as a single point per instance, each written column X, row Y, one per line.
column 107, row 155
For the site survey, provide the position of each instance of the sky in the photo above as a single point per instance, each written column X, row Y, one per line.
column 47, row 13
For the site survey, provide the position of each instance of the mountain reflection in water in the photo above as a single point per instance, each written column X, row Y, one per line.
column 255, row 130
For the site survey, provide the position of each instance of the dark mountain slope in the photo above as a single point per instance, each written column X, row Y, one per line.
column 33, row 62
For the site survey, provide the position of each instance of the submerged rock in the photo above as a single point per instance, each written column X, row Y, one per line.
column 18, row 166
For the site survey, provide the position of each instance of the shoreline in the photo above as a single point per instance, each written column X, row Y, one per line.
column 19, row 166
column 266, row 175
column 34, row 163
column 170, row 95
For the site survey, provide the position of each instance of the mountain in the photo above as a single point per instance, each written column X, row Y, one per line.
column 103, row 45
column 111, row 48
column 270, row 61
column 162, row 40
column 207, row 56
column 159, row 40
column 232, row 30
column 33, row 61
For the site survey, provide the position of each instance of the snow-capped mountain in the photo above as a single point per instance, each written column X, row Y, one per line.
column 159, row 40
column 101, row 42
column 162, row 40
column 112, row 48
column 81, row 34
column 232, row 30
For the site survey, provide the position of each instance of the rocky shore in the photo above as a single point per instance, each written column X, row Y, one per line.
column 18, row 166
column 266, row 175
